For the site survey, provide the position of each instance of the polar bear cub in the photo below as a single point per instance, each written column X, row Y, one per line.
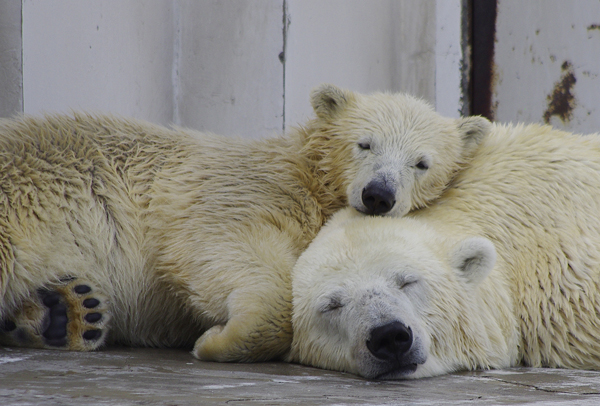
column 397, row 153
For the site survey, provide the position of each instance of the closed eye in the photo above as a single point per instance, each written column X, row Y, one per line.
column 404, row 281
column 333, row 301
column 331, row 305
column 422, row 165
column 364, row 145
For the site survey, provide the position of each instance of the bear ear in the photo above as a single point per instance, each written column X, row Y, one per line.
column 328, row 100
column 473, row 130
column 474, row 257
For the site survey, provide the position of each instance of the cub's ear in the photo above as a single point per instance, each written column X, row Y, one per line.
column 474, row 258
column 473, row 130
column 329, row 100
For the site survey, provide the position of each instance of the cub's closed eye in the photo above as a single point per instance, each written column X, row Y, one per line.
column 407, row 284
column 364, row 145
column 422, row 165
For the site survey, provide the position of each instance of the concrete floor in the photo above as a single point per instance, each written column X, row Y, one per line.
column 132, row 376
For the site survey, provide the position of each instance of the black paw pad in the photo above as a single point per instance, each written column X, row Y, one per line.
column 82, row 289
column 91, row 303
column 49, row 298
column 92, row 335
column 93, row 317
column 6, row 326
column 55, row 334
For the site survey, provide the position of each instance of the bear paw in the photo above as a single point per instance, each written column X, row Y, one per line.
column 68, row 315
column 204, row 348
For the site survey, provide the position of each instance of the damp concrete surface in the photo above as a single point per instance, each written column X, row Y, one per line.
column 138, row 376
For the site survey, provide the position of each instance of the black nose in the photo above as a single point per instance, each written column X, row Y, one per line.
column 377, row 199
column 390, row 341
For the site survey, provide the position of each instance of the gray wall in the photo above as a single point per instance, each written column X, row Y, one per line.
column 11, row 76
column 547, row 63
column 233, row 67
column 108, row 55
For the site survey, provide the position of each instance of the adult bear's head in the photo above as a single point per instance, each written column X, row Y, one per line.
column 389, row 298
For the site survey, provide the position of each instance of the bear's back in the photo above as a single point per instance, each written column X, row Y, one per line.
column 535, row 192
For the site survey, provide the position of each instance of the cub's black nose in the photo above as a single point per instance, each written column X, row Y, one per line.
column 390, row 341
column 377, row 198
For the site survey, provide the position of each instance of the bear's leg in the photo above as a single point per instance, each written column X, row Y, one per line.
column 240, row 341
column 253, row 335
column 68, row 315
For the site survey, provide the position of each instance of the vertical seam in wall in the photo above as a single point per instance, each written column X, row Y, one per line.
column 466, row 52
column 22, row 59
column 435, row 53
column 176, row 62
column 283, row 57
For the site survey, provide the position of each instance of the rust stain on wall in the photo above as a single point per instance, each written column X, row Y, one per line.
column 561, row 101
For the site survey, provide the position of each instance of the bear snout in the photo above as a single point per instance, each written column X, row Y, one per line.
column 378, row 198
column 390, row 342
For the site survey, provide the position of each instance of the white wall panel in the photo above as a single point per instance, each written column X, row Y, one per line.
column 378, row 45
column 108, row 55
column 229, row 76
column 215, row 65
column 448, row 58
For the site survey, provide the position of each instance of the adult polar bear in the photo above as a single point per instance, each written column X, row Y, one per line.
column 502, row 270
column 180, row 235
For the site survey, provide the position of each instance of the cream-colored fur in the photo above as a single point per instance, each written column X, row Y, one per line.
column 534, row 193
column 186, row 237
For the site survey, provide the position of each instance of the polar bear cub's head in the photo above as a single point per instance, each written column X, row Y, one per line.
column 387, row 298
column 390, row 153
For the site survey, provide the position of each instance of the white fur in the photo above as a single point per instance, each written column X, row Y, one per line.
column 506, row 266
column 191, row 237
